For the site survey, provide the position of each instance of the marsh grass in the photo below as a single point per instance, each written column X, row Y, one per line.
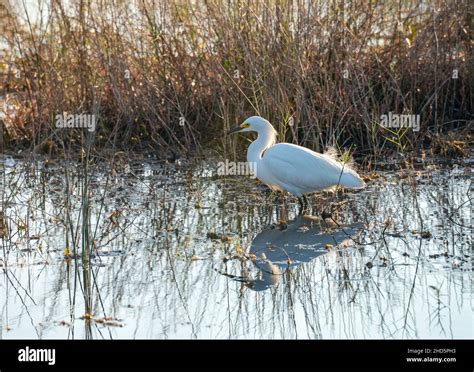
column 147, row 255
column 171, row 76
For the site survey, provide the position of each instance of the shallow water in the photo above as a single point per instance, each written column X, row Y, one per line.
column 178, row 252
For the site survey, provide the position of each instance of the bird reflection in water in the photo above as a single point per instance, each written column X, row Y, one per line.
column 283, row 247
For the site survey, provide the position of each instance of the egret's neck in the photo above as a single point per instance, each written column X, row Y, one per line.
column 264, row 140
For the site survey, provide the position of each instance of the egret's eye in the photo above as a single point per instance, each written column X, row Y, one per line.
column 244, row 125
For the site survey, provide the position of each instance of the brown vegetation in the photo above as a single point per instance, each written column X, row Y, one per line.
column 165, row 75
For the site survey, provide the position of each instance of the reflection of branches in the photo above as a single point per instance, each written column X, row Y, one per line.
column 418, row 258
column 25, row 306
column 440, row 306
column 152, row 277
column 175, row 281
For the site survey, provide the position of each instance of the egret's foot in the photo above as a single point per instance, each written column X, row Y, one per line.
column 330, row 218
column 325, row 214
column 282, row 225
column 279, row 225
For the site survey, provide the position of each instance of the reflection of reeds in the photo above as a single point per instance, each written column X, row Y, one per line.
column 80, row 235
column 173, row 74
column 160, row 289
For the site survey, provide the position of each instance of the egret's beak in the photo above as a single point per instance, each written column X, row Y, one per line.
column 234, row 130
column 239, row 128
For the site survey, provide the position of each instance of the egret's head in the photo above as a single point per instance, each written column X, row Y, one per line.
column 254, row 124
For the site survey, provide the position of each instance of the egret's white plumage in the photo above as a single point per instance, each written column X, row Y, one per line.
column 292, row 168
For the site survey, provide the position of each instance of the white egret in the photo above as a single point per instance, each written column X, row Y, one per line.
column 292, row 168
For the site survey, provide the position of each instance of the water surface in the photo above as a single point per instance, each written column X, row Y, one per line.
column 178, row 252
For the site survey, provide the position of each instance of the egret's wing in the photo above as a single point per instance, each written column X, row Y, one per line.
column 295, row 165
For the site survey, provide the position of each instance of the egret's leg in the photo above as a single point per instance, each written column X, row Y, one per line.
column 325, row 214
column 306, row 201
column 282, row 199
column 320, row 206
column 279, row 199
column 303, row 204
column 283, row 215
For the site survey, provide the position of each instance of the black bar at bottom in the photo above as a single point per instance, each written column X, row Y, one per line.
column 433, row 355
